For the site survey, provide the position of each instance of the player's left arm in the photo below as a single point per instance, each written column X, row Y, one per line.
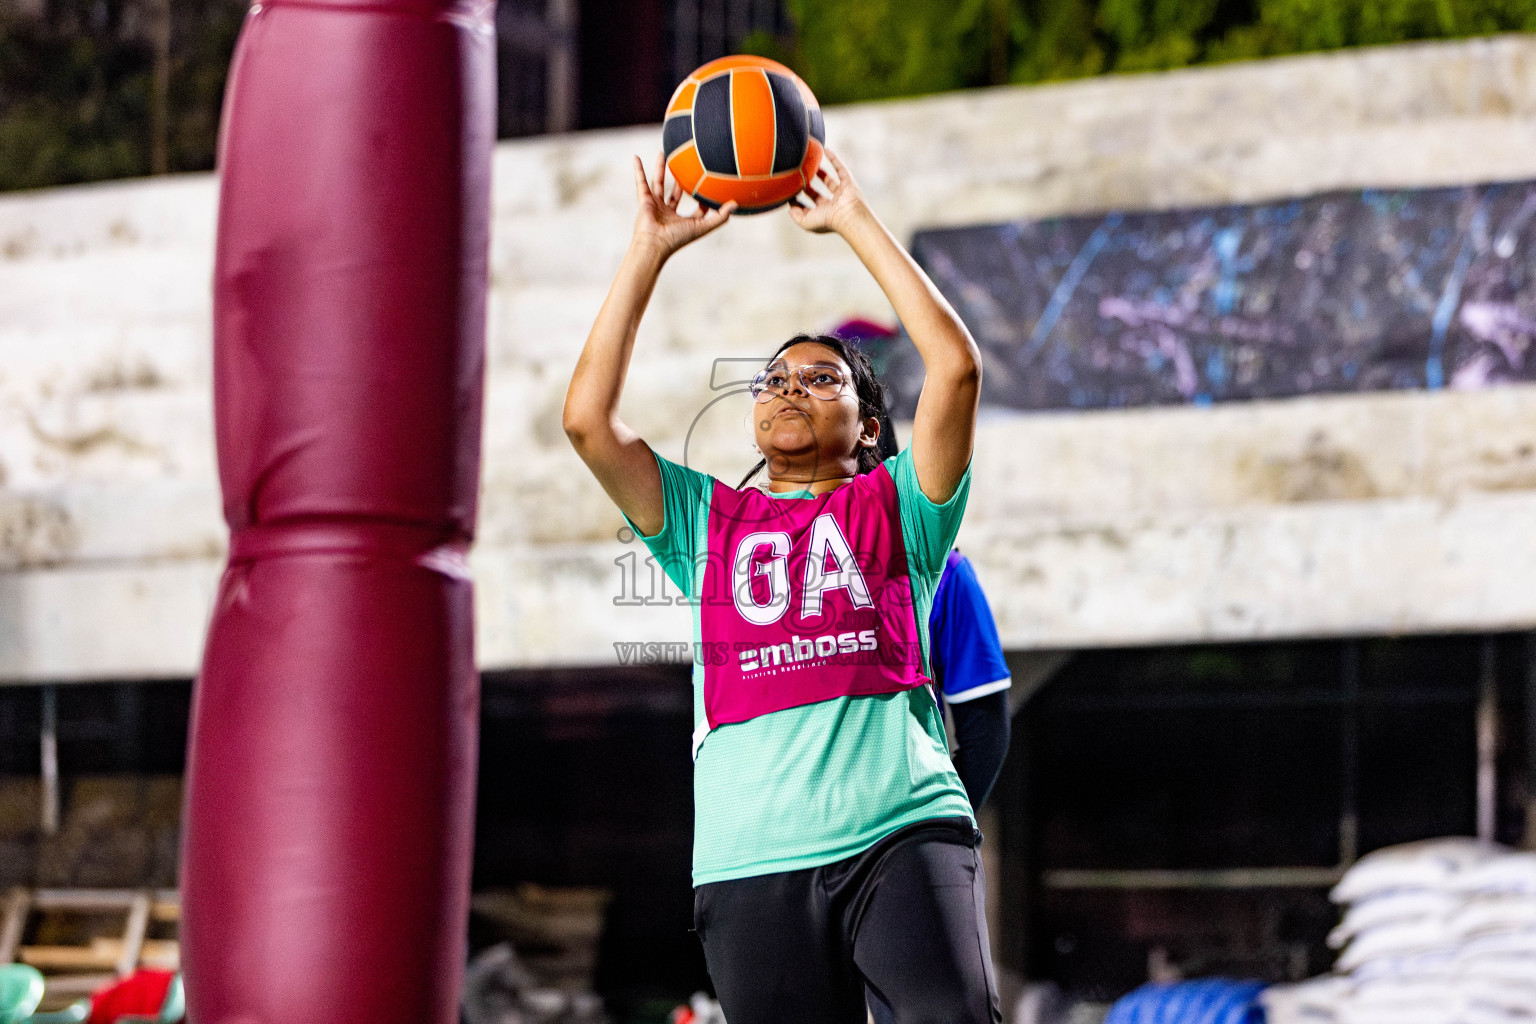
column 982, row 733
column 969, row 658
column 944, row 428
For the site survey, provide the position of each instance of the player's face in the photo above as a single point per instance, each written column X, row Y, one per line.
column 808, row 407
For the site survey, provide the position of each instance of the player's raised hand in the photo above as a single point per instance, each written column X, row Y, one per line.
column 657, row 221
column 832, row 199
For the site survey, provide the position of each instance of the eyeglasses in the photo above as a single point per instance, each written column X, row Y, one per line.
column 820, row 380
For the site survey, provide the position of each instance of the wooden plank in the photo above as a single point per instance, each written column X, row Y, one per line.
column 133, row 934
column 100, row 955
column 71, row 958
column 121, row 955
column 165, row 905
column 69, row 985
column 84, row 899
column 1216, row 878
column 16, row 906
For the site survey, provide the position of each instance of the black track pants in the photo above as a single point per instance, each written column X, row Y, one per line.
column 902, row 922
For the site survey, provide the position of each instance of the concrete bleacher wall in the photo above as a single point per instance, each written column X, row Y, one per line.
column 1360, row 514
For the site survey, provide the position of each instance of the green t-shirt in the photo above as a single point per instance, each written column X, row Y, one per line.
column 814, row 784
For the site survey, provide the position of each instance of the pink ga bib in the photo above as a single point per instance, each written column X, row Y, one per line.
column 805, row 600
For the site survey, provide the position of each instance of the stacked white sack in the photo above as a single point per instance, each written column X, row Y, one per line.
column 1437, row 932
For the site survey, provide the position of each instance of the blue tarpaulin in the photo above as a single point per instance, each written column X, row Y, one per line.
column 1336, row 293
column 1209, row 1001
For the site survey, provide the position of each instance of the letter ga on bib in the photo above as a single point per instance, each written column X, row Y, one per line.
column 808, row 599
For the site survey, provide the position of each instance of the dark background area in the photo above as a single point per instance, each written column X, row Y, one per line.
column 98, row 89
column 586, row 779
column 1195, row 757
column 1238, row 756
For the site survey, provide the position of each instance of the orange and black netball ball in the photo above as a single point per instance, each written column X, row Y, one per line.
column 743, row 128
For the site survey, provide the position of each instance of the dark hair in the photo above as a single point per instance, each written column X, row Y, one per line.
column 866, row 386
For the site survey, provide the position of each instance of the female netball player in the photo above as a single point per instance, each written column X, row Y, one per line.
column 834, row 847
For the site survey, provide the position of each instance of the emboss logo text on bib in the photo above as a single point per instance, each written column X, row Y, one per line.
column 799, row 650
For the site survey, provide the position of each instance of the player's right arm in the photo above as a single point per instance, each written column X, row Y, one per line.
column 616, row 455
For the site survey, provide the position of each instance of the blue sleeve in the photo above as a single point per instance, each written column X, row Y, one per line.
column 967, row 654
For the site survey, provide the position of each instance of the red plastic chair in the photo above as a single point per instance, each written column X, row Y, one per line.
column 144, row 997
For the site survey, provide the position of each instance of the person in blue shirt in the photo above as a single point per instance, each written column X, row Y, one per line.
column 971, row 676
column 966, row 656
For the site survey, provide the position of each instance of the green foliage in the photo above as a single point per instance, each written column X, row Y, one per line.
column 199, row 65
column 871, row 49
column 71, row 106
column 874, row 49
column 1295, row 26
column 76, row 87
column 1052, row 39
